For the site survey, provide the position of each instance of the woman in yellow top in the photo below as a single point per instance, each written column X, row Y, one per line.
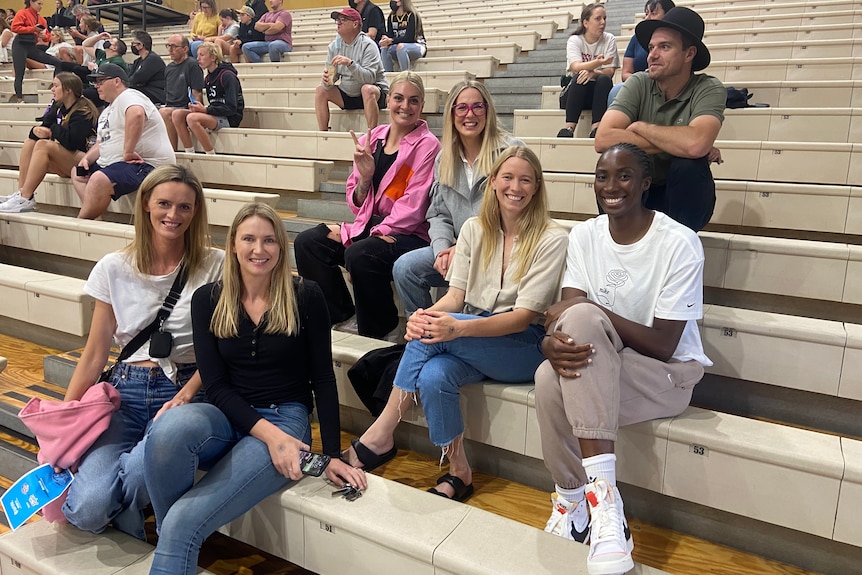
column 205, row 23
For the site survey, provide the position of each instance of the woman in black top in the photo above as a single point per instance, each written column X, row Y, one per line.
column 68, row 130
column 262, row 341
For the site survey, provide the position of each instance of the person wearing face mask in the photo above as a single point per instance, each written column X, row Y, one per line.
column 148, row 70
column 373, row 22
column 635, row 57
column 404, row 39
column 101, row 48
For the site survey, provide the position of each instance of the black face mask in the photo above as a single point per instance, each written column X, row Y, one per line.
column 352, row 4
column 135, row 50
column 394, row 5
column 106, row 45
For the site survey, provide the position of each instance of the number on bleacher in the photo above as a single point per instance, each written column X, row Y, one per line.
column 699, row 449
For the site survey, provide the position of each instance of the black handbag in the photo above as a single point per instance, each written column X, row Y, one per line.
column 162, row 341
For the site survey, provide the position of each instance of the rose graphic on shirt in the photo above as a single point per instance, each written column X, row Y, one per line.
column 615, row 279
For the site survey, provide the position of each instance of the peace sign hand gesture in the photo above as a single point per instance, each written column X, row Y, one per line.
column 362, row 158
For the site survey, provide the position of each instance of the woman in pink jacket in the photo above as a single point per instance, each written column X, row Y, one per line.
column 393, row 167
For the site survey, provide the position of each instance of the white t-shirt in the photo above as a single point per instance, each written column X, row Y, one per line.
column 577, row 50
column 659, row 276
column 136, row 298
column 153, row 145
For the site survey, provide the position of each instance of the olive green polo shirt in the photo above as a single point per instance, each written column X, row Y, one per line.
column 642, row 100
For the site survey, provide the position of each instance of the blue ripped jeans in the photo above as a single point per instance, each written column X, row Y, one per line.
column 439, row 370
column 241, row 474
column 109, row 485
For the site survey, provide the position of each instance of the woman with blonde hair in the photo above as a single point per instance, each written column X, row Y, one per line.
column 472, row 139
column 130, row 287
column 262, row 339
column 404, row 39
column 507, row 271
column 68, row 130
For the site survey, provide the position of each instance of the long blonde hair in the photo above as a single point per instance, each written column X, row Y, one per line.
column 196, row 237
column 493, row 136
column 531, row 224
column 282, row 317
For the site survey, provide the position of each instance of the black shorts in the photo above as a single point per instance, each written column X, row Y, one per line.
column 126, row 177
column 355, row 102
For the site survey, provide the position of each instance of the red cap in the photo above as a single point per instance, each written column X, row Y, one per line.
column 347, row 13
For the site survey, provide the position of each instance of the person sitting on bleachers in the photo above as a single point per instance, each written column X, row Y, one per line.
column 204, row 23
column 388, row 191
column 472, row 139
column 591, row 61
column 67, row 131
column 506, row 272
column 623, row 346
column 129, row 288
column 404, row 38
column 674, row 115
column 354, row 60
column 277, row 29
column 183, row 78
column 87, row 26
column 371, row 17
column 131, row 142
column 635, row 57
column 224, row 95
column 148, row 70
column 101, row 48
column 257, row 419
column 228, row 31
column 246, row 33
column 60, row 48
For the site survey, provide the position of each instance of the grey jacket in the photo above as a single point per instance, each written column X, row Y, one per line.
column 451, row 207
column 367, row 68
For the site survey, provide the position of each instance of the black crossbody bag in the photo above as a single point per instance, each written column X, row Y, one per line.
column 161, row 341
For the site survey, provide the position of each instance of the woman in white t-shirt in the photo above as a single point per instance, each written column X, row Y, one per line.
column 129, row 288
column 591, row 61
column 622, row 346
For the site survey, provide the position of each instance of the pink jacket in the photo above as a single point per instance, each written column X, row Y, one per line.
column 65, row 430
column 404, row 199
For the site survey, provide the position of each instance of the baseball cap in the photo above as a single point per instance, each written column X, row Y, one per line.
column 109, row 70
column 247, row 10
column 347, row 13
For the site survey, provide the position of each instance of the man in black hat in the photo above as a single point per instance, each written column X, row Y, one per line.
column 674, row 115
column 131, row 141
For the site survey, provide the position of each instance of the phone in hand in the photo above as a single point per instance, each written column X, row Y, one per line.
column 82, row 171
column 192, row 97
column 313, row 463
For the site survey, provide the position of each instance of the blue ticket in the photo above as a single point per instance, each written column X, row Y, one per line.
column 33, row 491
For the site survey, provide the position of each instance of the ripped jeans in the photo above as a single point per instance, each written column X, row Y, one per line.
column 439, row 370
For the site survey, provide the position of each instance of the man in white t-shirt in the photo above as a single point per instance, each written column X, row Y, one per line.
column 131, row 142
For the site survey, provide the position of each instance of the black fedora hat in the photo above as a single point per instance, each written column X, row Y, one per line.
column 684, row 20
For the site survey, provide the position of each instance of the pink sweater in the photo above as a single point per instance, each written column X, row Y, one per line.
column 403, row 196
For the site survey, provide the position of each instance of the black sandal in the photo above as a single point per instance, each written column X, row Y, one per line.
column 462, row 492
column 370, row 460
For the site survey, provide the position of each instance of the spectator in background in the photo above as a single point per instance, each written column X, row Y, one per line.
column 6, row 36
column 674, row 115
column 131, row 143
column 67, row 131
column 228, row 31
column 404, row 39
column 353, row 59
column 184, row 78
column 203, row 24
column 472, row 138
column 259, row 8
column 87, row 27
column 29, row 27
column 591, row 61
column 277, row 30
column 101, row 48
column 246, row 34
column 61, row 49
column 148, row 70
column 388, row 193
column 635, row 57
column 224, row 95
column 372, row 19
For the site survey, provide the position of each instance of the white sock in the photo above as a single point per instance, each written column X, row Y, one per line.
column 571, row 495
column 210, row 153
column 602, row 466
column 189, row 150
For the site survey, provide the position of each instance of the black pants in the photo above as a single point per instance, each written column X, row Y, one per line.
column 369, row 262
column 590, row 96
column 23, row 47
column 687, row 195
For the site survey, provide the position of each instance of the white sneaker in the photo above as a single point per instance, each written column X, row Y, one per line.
column 18, row 203
column 610, row 539
column 569, row 520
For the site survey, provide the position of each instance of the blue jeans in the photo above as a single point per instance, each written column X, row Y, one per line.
column 406, row 55
column 254, row 50
column 414, row 276
column 613, row 94
column 241, row 475
column 109, row 486
column 193, row 48
column 439, row 370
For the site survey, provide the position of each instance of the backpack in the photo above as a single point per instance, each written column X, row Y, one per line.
column 737, row 98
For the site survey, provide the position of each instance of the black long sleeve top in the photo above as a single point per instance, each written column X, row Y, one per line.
column 76, row 132
column 256, row 369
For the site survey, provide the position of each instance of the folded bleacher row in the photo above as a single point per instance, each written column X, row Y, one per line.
column 786, row 229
